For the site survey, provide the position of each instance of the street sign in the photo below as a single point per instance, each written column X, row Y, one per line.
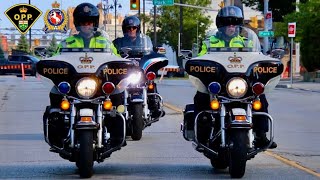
column 163, row 2
column 292, row 29
column 266, row 34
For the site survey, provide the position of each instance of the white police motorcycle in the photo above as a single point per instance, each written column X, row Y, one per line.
column 233, row 79
column 87, row 126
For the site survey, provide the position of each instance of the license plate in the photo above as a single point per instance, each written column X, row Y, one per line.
column 86, row 112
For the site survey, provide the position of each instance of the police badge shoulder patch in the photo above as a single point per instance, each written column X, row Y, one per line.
column 23, row 16
column 55, row 20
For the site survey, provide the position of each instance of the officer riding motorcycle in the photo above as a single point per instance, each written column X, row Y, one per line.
column 84, row 122
column 145, row 104
column 229, row 121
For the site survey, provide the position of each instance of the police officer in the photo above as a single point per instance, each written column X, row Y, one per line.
column 228, row 21
column 131, row 34
column 86, row 21
column 132, row 37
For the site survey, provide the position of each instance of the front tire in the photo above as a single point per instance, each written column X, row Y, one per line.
column 137, row 121
column 238, row 153
column 85, row 157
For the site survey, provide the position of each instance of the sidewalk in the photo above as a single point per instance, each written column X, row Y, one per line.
column 307, row 86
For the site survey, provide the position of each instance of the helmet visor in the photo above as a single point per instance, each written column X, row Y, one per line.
column 227, row 21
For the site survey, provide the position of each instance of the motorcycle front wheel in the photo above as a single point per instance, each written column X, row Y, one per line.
column 85, row 156
column 238, row 153
column 137, row 121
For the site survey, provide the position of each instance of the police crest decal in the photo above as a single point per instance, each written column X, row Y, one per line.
column 23, row 16
column 55, row 20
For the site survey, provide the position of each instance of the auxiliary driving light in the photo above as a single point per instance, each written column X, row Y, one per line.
column 120, row 108
column 64, row 87
column 107, row 105
column 256, row 105
column 214, row 104
column 214, row 87
column 65, row 105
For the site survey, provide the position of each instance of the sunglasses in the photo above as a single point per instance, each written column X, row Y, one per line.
column 131, row 28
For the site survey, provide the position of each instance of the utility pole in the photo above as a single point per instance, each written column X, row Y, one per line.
column 115, row 19
column 265, row 39
column 297, row 47
column 154, row 25
column 139, row 11
column 144, row 15
column 181, row 28
column 30, row 32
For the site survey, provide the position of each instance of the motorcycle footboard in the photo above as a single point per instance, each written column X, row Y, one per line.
column 271, row 134
column 187, row 127
column 107, row 153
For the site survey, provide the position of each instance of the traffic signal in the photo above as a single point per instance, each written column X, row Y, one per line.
column 36, row 42
column 254, row 22
column 134, row 4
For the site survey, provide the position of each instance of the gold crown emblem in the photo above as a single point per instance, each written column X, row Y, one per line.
column 23, row 9
column 235, row 59
column 55, row 5
column 86, row 59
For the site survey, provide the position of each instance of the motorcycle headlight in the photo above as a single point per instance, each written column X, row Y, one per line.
column 237, row 87
column 86, row 87
column 134, row 78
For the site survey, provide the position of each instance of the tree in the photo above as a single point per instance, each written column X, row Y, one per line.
column 23, row 44
column 307, row 20
column 1, row 53
column 53, row 46
column 168, row 22
column 279, row 8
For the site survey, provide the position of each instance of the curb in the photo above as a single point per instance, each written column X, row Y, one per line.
column 283, row 86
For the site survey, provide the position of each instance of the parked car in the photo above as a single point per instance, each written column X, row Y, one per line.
column 12, row 65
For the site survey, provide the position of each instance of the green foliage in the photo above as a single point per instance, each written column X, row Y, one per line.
column 1, row 53
column 307, row 32
column 53, row 46
column 168, row 24
column 23, row 44
column 279, row 8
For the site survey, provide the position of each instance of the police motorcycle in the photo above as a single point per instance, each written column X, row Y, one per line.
column 88, row 126
column 144, row 103
column 234, row 78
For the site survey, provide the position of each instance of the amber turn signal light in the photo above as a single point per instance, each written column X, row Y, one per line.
column 214, row 104
column 65, row 105
column 107, row 105
column 85, row 119
column 256, row 105
column 150, row 86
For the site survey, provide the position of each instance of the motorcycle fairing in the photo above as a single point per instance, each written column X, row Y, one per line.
column 203, row 71
column 113, row 71
column 154, row 64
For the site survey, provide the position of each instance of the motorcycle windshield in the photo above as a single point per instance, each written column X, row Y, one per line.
column 233, row 39
column 141, row 45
